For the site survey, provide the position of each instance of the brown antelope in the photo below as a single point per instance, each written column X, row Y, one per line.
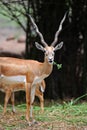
column 34, row 71
column 11, row 84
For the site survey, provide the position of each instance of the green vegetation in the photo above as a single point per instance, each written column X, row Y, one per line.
column 59, row 66
column 12, row 16
column 5, row 22
column 67, row 114
column 74, row 114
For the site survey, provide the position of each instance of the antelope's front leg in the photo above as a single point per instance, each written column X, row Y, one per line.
column 32, row 97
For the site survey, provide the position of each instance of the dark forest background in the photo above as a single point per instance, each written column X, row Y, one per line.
column 71, row 80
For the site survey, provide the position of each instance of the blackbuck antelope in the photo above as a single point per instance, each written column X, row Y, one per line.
column 34, row 71
column 11, row 84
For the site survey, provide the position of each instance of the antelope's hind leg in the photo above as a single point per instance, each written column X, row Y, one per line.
column 13, row 101
column 7, row 97
column 30, row 95
column 41, row 98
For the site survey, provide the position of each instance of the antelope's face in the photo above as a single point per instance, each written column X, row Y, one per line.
column 49, row 54
column 49, row 51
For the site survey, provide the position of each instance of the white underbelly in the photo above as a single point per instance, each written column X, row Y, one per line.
column 18, row 78
column 14, row 90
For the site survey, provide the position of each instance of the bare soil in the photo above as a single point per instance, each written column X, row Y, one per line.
column 17, row 121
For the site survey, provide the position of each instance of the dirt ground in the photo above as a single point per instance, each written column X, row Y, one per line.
column 17, row 122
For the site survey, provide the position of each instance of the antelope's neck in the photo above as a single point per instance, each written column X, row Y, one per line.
column 47, row 68
column 44, row 72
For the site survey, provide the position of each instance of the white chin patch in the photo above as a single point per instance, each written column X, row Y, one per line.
column 50, row 62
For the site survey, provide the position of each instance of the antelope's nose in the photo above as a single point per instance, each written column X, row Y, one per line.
column 50, row 60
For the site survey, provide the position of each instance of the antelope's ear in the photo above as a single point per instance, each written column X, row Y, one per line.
column 40, row 47
column 59, row 46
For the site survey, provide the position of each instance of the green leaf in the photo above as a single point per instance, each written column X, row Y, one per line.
column 59, row 66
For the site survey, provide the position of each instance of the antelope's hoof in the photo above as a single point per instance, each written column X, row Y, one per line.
column 31, row 123
column 34, row 121
column 41, row 112
column 4, row 113
column 13, row 110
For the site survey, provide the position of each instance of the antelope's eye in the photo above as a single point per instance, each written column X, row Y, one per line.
column 46, row 53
